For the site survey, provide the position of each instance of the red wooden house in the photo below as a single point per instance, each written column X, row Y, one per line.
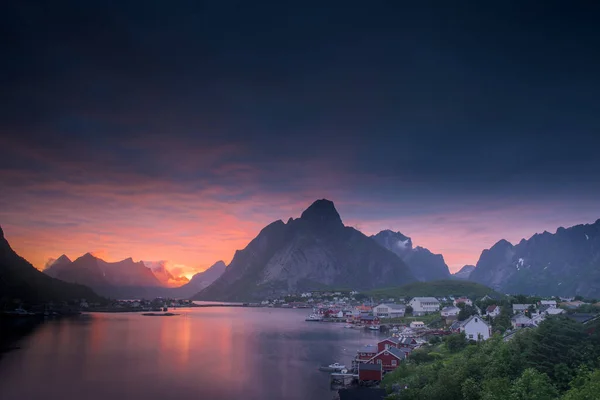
column 367, row 352
column 369, row 320
column 389, row 358
column 370, row 372
column 386, row 343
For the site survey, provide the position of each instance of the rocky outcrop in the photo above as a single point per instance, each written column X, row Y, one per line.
column 464, row 272
column 312, row 252
column 424, row 265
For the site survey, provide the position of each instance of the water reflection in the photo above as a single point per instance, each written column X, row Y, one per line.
column 213, row 353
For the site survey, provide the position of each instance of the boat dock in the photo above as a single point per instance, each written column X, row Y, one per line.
column 339, row 380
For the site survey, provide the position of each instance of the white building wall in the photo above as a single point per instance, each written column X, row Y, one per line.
column 476, row 329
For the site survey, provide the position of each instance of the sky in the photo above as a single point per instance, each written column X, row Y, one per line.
column 177, row 130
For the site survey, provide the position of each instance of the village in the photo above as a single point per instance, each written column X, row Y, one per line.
column 406, row 325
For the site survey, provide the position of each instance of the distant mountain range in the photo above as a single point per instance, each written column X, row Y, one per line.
column 564, row 263
column 128, row 279
column 21, row 280
column 464, row 272
column 424, row 265
column 311, row 252
column 120, row 279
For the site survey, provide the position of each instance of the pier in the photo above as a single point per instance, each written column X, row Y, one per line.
column 340, row 381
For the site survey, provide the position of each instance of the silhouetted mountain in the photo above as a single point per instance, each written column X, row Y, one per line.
column 464, row 272
column 564, row 263
column 164, row 276
column 199, row 281
column 57, row 265
column 311, row 252
column 424, row 265
column 21, row 280
column 119, row 279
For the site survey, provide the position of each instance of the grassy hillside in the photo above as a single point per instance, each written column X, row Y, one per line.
column 436, row 289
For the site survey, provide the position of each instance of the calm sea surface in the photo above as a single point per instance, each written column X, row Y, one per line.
column 205, row 353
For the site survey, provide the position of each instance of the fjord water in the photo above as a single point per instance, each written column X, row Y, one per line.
column 216, row 353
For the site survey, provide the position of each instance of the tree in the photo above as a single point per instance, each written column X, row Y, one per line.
column 466, row 312
column 495, row 389
column 408, row 310
column 585, row 387
column 471, row 390
column 533, row 385
column 456, row 342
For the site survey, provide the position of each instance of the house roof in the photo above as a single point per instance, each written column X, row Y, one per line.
column 521, row 306
column 455, row 325
column 368, row 348
column 426, row 299
column 519, row 316
column 394, row 306
column 391, row 339
column 369, row 367
column 471, row 318
column 406, row 340
column 544, row 308
column 396, row 352
column 491, row 308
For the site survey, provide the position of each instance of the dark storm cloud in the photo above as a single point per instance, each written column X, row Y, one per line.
column 392, row 109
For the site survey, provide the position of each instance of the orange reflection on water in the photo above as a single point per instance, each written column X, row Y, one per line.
column 175, row 337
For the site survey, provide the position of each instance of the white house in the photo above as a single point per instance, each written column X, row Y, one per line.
column 517, row 308
column 492, row 311
column 424, row 305
column 340, row 314
column 389, row 310
column 450, row 311
column 306, row 294
column 553, row 311
column 462, row 300
column 417, row 324
column 551, row 303
column 475, row 328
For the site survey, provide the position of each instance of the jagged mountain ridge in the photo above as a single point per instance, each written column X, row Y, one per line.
column 464, row 272
column 311, row 252
column 564, row 263
column 21, row 280
column 424, row 265
column 121, row 279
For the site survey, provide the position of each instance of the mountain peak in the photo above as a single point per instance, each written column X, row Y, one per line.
column 502, row 243
column 62, row 259
column 322, row 212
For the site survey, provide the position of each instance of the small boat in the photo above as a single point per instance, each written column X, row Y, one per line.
column 394, row 329
column 348, row 326
column 335, row 367
column 374, row 327
column 314, row 317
